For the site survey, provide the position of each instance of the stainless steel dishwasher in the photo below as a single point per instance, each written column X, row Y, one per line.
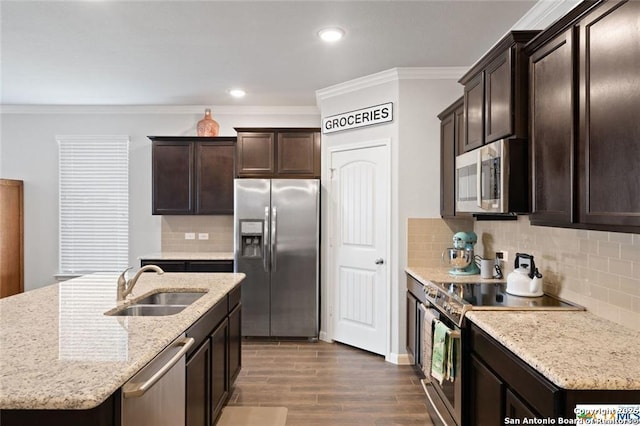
column 155, row 396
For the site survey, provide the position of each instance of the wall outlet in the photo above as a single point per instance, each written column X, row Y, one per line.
column 203, row 236
column 503, row 256
column 189, row 235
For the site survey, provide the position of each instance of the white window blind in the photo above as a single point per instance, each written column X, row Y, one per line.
column 94, row 203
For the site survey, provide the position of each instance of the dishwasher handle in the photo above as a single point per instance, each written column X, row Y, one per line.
column 134, row 390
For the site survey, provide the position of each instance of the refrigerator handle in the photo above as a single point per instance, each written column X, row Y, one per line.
column 265, row 240
column 274, row 247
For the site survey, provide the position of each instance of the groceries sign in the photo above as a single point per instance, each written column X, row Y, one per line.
column 360, row 118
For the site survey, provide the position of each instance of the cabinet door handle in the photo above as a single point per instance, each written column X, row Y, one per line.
column 379, row 261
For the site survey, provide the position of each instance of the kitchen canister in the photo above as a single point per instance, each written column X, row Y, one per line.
column 487, row 268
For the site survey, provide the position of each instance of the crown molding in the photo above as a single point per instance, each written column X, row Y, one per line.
column 358, row 84
column 391, row 75
column 431, row 73
column 544, row 13
column 159, row 109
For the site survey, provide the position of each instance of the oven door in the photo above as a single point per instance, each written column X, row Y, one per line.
column 445, row 398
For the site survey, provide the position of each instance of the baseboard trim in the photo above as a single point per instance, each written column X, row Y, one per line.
column 324, row 336
column 399, row 359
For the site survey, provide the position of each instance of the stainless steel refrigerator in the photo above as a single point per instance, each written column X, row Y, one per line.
column 277, row 238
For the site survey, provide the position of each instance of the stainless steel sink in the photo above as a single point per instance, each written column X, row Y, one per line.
column 148, row 310
column 159, row 304
column 170, row 298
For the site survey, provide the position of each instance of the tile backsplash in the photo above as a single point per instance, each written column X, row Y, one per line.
column 598, row 270
column 427, row 239
column 219, row 228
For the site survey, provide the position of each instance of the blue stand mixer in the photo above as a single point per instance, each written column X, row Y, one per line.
column 461, row 256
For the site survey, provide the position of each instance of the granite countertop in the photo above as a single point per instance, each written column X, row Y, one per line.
column 441, row 275
column 59, row 351
column 176, row 255
column 574, row 350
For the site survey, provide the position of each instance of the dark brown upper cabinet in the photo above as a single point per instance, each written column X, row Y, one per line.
column 552, row 136
column 215, row 164
column 256, row 153
column 609, row 129
column 584, row 128
column 473, row 113
column 451, row 135
column 193, row 175
column 495, row 93
column 278, row 152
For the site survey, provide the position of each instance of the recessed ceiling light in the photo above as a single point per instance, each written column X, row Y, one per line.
column 331, row 35
column 237, row 93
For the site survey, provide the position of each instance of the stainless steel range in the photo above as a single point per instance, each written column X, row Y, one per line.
column 448, row 302
column 454, row 299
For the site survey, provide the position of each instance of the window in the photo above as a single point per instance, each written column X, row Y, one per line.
column 94, row 203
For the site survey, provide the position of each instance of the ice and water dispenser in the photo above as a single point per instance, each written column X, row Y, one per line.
column 251, row 237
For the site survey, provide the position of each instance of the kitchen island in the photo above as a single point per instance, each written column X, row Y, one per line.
column 59, row 351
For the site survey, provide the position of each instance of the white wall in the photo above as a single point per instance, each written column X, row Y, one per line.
column 29, row 152
column 418, row 96
column 418, row 169
column 349, row 100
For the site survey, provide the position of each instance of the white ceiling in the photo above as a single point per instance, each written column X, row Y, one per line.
column 106, row 52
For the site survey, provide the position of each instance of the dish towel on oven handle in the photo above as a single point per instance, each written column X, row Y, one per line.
column 427, row 339
column 439, row 352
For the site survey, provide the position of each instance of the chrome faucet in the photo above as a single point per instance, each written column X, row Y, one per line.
column 125, row 287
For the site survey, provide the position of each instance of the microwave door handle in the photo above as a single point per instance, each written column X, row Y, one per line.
column 479, row 179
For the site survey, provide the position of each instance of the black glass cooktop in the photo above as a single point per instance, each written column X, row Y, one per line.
column 495, row 296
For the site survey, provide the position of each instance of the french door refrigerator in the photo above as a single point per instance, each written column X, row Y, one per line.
column 277, row 247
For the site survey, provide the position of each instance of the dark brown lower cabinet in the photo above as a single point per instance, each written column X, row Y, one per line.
column 487, row 402
column 235, row 342
column 515, row 408
column 198, row 372
column 214, row 365
column 412, row 332
column 501, row 386
column 219, row 368
column 105, row 414
column 190, row 265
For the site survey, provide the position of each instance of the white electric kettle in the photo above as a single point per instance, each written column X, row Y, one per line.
column 525, row 280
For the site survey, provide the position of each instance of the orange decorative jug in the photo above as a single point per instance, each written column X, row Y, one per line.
column 208, row 126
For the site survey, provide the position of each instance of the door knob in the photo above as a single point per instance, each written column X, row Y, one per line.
column 379, row 261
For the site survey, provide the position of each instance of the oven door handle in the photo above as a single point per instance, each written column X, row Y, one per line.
column 454, row 334
column 424, row 308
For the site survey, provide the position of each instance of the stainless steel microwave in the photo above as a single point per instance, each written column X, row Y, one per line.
column 493, row 178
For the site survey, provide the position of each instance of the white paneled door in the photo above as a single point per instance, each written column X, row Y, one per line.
column 359, row 225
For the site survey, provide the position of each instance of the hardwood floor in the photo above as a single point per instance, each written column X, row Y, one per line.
column 329, row 384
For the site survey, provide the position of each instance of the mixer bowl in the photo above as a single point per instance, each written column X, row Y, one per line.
column 458, row 258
